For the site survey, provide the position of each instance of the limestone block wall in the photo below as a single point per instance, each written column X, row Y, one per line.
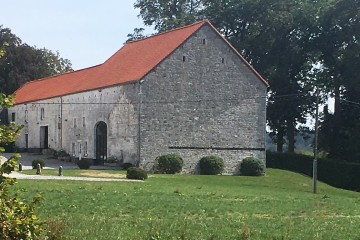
column 202, row 100
column 72, row 119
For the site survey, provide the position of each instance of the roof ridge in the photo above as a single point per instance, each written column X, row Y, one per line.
column 169, row 31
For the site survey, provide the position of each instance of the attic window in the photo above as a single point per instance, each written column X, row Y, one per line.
column 42, row 114
column 204, row 41
column 184, row 58
column 26, row 116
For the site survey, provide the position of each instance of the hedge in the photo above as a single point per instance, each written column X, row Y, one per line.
column 337, row 173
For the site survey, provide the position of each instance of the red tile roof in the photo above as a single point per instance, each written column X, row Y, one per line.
column 131, row 63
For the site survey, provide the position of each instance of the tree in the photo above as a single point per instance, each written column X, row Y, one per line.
column 168, row 14
column 136, row 35
column 17, row 218
column 22, row 63
column 338, row 41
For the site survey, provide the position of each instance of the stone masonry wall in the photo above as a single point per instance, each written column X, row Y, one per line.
column 72, row 119
column 202, row 100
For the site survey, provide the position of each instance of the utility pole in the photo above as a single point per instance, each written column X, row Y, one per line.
column 314, row 184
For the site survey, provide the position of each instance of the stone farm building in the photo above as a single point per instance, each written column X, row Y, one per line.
column 185, row 91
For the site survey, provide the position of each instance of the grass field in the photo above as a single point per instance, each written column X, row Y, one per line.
column 279, row 205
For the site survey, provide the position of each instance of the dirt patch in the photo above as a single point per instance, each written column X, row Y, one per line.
column 99, row 174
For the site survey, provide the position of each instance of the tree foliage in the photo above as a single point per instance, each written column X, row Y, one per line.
column 21, row 63
column 18, row 219
column 136, row 35
column 168, row 14
column 339, row 44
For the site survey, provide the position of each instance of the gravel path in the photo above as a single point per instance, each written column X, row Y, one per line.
column 18, row 175
column 27, row 158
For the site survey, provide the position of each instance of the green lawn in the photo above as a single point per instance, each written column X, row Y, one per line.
column 277, row 206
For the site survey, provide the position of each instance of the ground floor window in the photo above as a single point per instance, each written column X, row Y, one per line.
column 85, row 149
column 73, row 149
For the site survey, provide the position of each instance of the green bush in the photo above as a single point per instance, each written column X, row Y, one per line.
column 62, row 153
column 136, row 173
column 18, row 219
column 251, row 166
column 35, row 162
column 169, row 164
column 126, row 166
column 111, row 159
column 211, row 165
column 84, row 163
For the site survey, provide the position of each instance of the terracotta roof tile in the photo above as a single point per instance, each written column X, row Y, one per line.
column 131, row 63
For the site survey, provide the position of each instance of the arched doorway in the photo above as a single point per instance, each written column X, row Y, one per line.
column 101, row 143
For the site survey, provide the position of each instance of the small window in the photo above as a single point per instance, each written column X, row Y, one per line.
column 42, row 113
column 184, row 58
column 222, row 60
column 75, row 123
column 73, row 149
column 26, row 140
column 80, row 148
column 26, row 116
column 85, row 149
column 84, row 122
column 13, row 117
column 204, row 41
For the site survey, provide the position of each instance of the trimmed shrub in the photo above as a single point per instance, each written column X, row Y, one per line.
column 62, row 153
column 126, row 166
column 211, row 165
column 169, row 164
column 136, row 173
column 35, row 162
column 84, row 163
column 251, row 166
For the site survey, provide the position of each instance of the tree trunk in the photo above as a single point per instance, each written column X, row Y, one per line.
column 280, row 140
column 291, row 135
column 337, row 121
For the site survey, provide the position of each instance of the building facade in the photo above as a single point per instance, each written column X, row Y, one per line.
column 186, row 91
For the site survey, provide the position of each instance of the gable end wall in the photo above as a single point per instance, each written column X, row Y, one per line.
column 202, row 100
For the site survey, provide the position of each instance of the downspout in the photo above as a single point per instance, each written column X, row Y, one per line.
column 61, row 123
column 139, row 121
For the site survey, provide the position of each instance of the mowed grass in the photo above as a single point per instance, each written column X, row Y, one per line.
column 279, row 205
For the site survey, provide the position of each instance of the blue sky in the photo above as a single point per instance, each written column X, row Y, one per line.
column 85, row 32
